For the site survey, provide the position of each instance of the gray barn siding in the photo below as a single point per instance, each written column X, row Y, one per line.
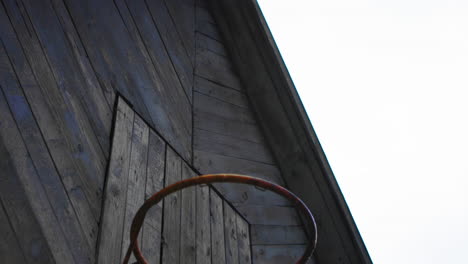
column 62, row 65
column 141, row 161
column 227, row 138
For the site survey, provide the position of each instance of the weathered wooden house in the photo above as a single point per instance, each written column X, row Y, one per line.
column 104, row 102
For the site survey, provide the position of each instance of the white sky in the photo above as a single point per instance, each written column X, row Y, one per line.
column 385, row 84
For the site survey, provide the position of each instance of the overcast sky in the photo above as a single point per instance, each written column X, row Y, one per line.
column 385, row 84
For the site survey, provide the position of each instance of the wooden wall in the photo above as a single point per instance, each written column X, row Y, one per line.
column 194, row 225
column 62, row 65
column 227, row 138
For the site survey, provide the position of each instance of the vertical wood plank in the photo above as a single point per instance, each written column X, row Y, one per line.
column 151, row 232
column 217, row 228
column 111, row 229
column 203, row 237
column 172, row 205
column 230, row 235
column 136, row 179
column 243, row 239
column 188, row 219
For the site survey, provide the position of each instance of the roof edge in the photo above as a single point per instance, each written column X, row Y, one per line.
column 288, row 129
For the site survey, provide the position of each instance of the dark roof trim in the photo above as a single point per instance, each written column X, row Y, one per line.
column 288, row 130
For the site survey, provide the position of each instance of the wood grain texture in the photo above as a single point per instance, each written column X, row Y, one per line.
column 113, row 219
column 183, row 14
column 48, row 176
column 218, row 244
column 10, row 250
column 216, row 68
column 166, row 25
column 230, row 234
column 112, row 39
column 67, row 137
column 188, row 218
column 172, row 211
column 89, row 102
column 232, row 147
column 269, row 215
column 203, row 229
column 151, row 232
column 176, row 100
column 206, row 42
column 278, row 254
column 223, row 93
column 136, row 182
column 277, row 234
column 25, row 199
column 243, row 240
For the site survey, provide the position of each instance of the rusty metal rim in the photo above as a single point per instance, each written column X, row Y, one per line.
column 214, row 178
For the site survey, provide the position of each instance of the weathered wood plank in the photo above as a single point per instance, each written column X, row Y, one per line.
column 51, row 181
column 205, row 42
column 172, row 212
column 188, row 218
column 276, row 235
column 177, row 101
column 243, row 239
column 209, row 29
column 278, row 254
column 230, row 234
column 207, row 162
column 160, row 54
column 25, row 200
column 269, row 215
column 175, row 47
column 60, row 49
column 227, row 111
column 216, row 68
column 136, row 179
column 217, row 228
column 81, row 56
column 151, row 232
column 228, row 146
column 203, row 236
column 76, row 158
column 220, row 92
column 111, row 46
column 183, row 14
column 241, row 194
column 10, row 250
column 112, row 223
column 213, row 122
column 111, row 49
